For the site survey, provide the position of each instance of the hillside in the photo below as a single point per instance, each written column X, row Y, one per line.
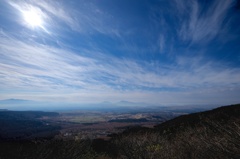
column 223, row 115
column 210, row 135
column 22, row 125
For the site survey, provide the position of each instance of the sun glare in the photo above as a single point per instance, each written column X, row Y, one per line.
column 33, row 18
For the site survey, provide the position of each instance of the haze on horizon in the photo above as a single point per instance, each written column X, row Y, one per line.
column 158, row 52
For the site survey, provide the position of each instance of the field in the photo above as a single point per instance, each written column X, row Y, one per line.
column 81, row 124
column 96, row 124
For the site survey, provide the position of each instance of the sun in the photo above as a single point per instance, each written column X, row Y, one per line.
column 33, row 18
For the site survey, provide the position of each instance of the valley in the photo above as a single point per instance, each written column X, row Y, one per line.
column 79, row 125
column 82, row 124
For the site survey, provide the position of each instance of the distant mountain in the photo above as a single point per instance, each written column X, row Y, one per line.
column 127, row 103
column 13, row 101
column 122, row 103
column 106, row 103
column 22, row 104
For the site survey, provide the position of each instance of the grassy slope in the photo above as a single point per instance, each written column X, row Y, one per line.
column 210, row 134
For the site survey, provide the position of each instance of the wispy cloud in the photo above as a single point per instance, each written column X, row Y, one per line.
column 32, row 66
column 161, row 43
column 204, row 22
column 87, row 18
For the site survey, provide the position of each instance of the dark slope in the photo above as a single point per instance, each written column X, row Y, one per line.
column 222, row 115
column 22, row 125
column 211, row 134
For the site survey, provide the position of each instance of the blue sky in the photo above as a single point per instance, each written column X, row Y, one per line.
column 166, row 52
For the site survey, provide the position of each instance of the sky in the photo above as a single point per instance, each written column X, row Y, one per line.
column 163, row 52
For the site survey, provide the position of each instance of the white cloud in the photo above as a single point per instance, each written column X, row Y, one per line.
column 60, row 72
column 161, row 43
column 203, row 27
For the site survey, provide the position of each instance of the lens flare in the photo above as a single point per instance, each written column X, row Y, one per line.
column 33, row 18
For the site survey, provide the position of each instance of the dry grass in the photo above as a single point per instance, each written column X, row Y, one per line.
column 211, row 140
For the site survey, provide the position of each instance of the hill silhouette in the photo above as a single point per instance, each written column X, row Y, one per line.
column 22, row 125
column 223, row 115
